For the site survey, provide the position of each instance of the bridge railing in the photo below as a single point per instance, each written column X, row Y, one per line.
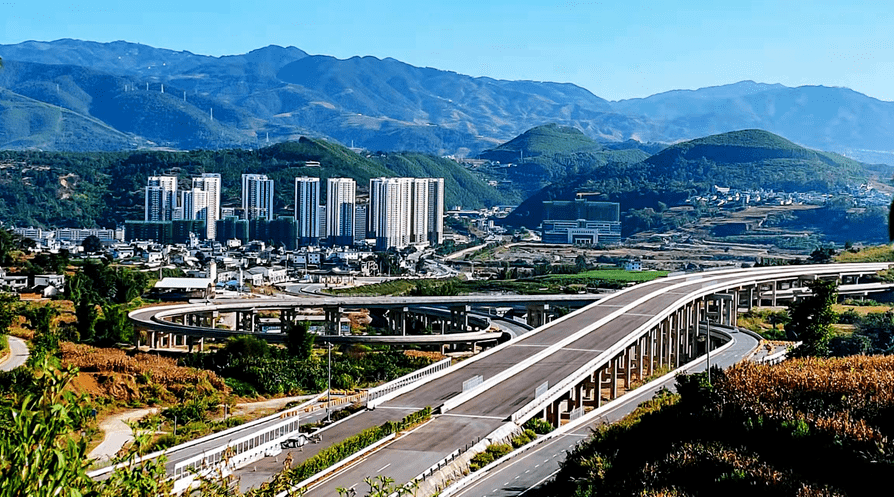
column 234, row 454
column 376, row 393
column 289, row 413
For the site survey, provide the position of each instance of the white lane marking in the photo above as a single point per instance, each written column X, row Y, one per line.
column 383, row 467
column 472, row 416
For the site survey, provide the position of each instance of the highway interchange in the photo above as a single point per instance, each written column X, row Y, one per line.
column 513, row 370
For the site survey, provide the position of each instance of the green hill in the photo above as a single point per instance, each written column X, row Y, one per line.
column 753, row 159
column 546, row 140
column 553, row 154
column 749, row 159
column 66, row 189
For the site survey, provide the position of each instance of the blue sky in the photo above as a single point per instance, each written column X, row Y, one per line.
column 616, row 50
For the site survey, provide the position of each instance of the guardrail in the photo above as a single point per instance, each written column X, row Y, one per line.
column 99, row 473
column 234, row 455
column 374, row 395
column 706, row 288
column 570, row 426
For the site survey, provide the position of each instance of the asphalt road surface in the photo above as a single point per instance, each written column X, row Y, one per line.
column 18, row 354
column 523, row 474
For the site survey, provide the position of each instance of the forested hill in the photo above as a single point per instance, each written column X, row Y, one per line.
column 748, row 159
column 546, row 140
column 552, row 154
column 71, row 189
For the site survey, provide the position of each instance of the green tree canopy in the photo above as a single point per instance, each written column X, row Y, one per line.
column 811, row 319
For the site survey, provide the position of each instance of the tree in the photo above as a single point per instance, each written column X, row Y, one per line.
column 9, row 311
column 92, row 244
column 299, row 341
column 39, row 456
column 811, row 319
column 580, row 263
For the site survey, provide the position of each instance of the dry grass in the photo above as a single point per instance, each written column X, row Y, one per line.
column 120, row 373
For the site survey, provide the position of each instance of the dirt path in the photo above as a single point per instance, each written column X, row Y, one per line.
column 253, row 409
column 117, row 432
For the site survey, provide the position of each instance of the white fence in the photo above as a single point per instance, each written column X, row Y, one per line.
column 393, row 385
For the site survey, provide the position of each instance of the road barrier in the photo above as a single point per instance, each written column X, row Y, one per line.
column 305, row 407
column 375, row 395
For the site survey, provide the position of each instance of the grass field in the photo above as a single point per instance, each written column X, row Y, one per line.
column 608, row 275
column 880, row 253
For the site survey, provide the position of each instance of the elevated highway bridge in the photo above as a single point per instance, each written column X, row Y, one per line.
column 581, row 360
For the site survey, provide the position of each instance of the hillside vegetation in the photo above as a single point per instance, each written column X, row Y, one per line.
column 104, row 189
column 804, row 427
column 748, row 159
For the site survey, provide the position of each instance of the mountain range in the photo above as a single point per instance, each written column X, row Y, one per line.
column 79, row 95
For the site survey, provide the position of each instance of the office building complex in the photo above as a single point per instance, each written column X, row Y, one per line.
column 404, row 211
column 161, row 198
column 340, row 200
column 257, row 197
column 307, row 210
column 581, row 222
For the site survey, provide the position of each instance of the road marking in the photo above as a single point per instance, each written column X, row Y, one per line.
column 352, row 486
column 383, row 467
column 472, row 416
column 639, row 315
column 585, row 350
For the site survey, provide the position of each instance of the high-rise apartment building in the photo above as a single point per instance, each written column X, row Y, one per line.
column 257, row 197
column 209, row 184
column 307, row 210
column 161, row 198
column 360, row 223
column 194, row 204
column 435, row 211
column 404, row 211
column 340, row 200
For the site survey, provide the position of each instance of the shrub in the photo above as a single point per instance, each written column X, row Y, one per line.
column 539, row 426
column 520, row 440
column 498, row 450
column 481, row 460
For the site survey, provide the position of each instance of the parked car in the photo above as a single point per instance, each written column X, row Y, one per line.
column 291, row 443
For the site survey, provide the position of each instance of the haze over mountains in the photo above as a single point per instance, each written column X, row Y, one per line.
column 79, row 95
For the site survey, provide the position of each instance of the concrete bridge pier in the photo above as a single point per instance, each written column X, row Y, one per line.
column 537, row 315
column 332, row 319
column 459, row 318
column 247, row 320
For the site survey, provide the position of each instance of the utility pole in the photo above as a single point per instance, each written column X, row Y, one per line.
column 329, row 387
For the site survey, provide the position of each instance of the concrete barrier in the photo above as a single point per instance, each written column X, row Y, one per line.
column 379, row 394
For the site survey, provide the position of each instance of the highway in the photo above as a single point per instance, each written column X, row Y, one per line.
column 562, row 347
column 524, row 473
column 513, row 370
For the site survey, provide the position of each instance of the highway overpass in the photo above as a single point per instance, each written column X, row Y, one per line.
column 580, row 361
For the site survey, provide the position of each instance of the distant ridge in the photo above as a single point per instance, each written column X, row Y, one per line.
column 385, row 104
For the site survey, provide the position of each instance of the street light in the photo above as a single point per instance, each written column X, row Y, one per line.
column 329, row 387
